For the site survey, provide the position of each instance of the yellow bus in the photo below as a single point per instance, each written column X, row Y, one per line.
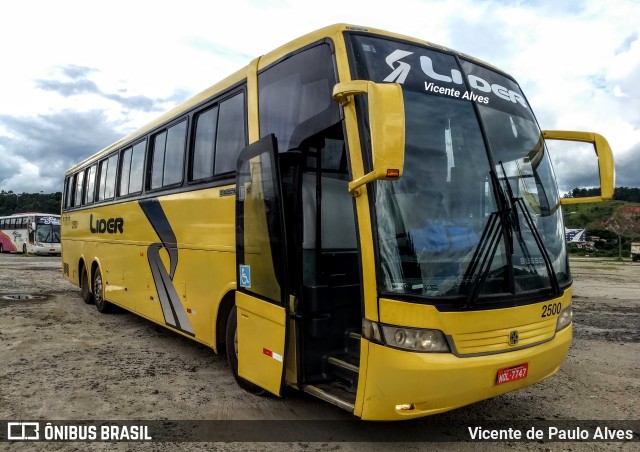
column 363, row 216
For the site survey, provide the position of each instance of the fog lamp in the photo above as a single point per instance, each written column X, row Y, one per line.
column 405, row 407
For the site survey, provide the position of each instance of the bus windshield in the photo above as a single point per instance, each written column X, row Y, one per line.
column 47, row 230
column 475, row 217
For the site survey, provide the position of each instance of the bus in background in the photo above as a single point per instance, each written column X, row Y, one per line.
column 363, row 216
column 30, row 233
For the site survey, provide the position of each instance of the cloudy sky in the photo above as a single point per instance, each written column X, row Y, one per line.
column 78, row 75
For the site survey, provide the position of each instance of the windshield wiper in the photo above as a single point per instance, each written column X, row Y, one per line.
column 498, row 224
column 514, row 203
column 503, row 223
column 543, row 251
column 480, row 263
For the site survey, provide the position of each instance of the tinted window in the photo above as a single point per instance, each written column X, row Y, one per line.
column 107, row 181
column 68, row 191
column 168, row 156
column 203, row 148
column 91, row 185
column 110, row 187
column 157, row 166
column 78, row 197
column 102, row 179
column 295, row 97
column 174, row 154
column 137, row 164
column 231, row 137
column 125, row 168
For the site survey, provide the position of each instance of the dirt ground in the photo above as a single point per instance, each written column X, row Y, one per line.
column 60, row 359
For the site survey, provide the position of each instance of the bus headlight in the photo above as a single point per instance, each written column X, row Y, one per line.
column 417, row 340
column 564, row 318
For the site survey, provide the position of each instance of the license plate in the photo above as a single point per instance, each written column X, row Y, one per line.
column 512, row 373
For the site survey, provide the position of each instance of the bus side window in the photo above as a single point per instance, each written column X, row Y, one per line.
column 107, row 177
column 67, row 192
column 102, row 178
column 295, row 98
column 79, row 183
column 137, row 166
column 204, row 145
column 110, row 183
column 125, row 169
column 90, row 185
column 232, row 135
column 167, row 156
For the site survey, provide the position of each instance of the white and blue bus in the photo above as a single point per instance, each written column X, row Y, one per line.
column 30, row 233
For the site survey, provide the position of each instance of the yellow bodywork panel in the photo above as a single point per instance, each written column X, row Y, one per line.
column 201, row 272
column 437, row 382
column 261, row 342
column 479, row 332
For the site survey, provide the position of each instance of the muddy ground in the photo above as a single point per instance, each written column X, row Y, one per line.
column 60, row 359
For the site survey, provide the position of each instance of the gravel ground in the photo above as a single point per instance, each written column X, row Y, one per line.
column 60, row 359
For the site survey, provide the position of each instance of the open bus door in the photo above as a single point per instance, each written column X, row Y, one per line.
column 261, row 267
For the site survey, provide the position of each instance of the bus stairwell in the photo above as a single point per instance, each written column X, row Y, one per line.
column 328, row 311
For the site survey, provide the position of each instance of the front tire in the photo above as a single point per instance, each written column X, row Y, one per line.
column 232, row 354
column 102, row 305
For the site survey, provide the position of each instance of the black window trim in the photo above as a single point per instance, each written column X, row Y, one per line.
column 120, row 152
column 215, row 102
column 151, row 150
column 218, row 180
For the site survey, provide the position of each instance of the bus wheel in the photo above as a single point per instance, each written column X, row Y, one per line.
column 24, row 249
column 1, row 250
column 87, row 296
column 232, row 354
column 102, row 305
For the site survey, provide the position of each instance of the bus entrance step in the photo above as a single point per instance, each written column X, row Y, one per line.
column 333, row 393
column 345, row 368
column 352, row 343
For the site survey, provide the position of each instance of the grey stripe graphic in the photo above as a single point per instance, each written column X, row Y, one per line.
column 172, row 308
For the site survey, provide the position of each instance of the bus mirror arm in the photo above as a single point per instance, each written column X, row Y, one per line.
column 605, row 162
column 386, row 126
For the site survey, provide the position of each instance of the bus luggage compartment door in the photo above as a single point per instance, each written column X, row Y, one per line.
column 261, row 266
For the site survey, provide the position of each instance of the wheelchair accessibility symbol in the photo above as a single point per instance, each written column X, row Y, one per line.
column 245, row 276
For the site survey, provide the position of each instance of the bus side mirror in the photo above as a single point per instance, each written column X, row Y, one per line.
column 386, row 125
column 605, row 162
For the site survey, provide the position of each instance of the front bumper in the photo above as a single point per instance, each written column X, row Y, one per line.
column 437, row 382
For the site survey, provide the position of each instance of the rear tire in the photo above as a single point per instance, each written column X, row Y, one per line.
column 102, row 305
column 232, row 354
column 87, row 296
